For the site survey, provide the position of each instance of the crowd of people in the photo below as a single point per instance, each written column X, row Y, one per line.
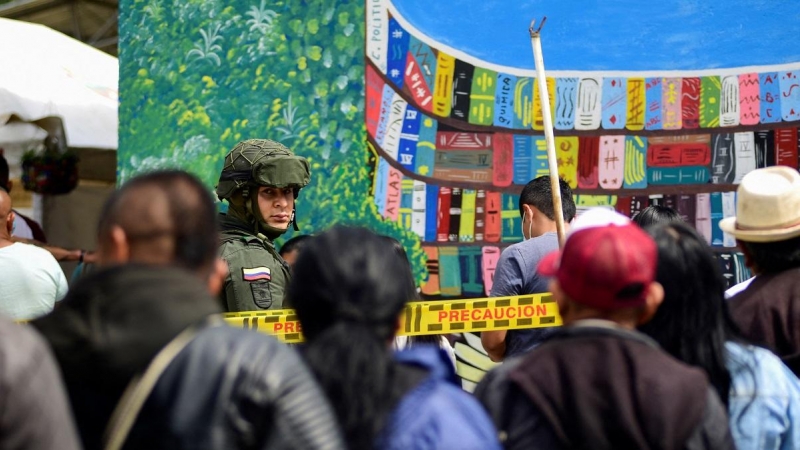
column 651, row 354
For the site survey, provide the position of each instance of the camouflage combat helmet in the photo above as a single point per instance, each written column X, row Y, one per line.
column 259, row 162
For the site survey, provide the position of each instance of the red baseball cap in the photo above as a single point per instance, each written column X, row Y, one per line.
column 605, row 267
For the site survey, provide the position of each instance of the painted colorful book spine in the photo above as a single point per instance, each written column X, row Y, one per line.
column 431, row 212
column 765, row 148
column 729, row 102
column 418, row 204
column 589, row 112
column 686, row 205
column 443, row 216
column 394, row 127
column 426, row 62
column 504, row 100
column 503, row 160
column 612, row 162
column 464, row 157
column 728, row 210
column 417, row 85
column 409, row 138
column 374, row 100
column 671, row 103
column 770, row 97
column 488, row 265
column 480, row 215
column 790, row 96
column 466, row 231
column 677, row 175
column 709, row 102
column 494, row 207
column 749, row 99
column 567, row 158
column 380, row 185
column 615, row 103
column 588, row 157
column 716, row 216
column 398, row 51
column 455, row 214
column 679, row 154
column 470, row 264
column 443, row 89
column 512, row 222
column 786, row 147
column 377, row 30
column 426, row 147
column 393, row 195
column 523, row 103
column 653, row 96
column 449, row 272
column 636, row 104
column 723, row 165
column 523, row 159
column 481, row 110
column 690, row 103
column 406, row 210
column 635, row 174
column 566, row 99
column 539, row 159
column 462, row 84
column 383, row 120
column 745, row 150
column 431, row 285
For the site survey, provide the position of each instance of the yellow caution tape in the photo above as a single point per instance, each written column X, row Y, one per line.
column 428, row 317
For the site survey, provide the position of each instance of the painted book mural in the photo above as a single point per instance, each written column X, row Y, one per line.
column 427, row 140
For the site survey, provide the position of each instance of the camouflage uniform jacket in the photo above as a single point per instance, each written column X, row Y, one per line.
column 258, row 277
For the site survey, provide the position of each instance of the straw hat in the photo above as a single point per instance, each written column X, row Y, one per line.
column 767, row 206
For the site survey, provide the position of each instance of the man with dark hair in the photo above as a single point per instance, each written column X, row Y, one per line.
column 516, row 270
column 767, row 230
column 291, row 248
column 146, row 325
column 598, row 383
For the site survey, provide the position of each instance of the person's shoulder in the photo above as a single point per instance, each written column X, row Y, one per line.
column 32, row 253
column 21, row 348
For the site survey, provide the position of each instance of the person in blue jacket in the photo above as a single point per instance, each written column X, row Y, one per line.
column 693, row 325
column 349, row 289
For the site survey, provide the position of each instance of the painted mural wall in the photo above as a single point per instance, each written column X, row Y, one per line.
column 422, row 120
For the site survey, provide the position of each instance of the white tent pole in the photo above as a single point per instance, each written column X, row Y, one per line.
column 538, row 60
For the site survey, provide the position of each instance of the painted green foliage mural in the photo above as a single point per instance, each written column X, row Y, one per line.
column 197, row 76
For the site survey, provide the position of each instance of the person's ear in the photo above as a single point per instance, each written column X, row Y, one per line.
column 216, row 279
column 10, row 222
column 653, row 299
column 115, row 248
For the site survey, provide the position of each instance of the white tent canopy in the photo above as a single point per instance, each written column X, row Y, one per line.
column 46, row 73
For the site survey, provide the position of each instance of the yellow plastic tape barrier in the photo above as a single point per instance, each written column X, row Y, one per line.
column 428, row 317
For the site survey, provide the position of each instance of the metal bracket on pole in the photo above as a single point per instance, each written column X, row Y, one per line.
column 538, row 30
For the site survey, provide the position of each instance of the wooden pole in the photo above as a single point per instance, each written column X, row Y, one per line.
column 538, row 60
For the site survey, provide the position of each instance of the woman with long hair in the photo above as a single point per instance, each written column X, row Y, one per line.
column 349, row 289
column 693, row 325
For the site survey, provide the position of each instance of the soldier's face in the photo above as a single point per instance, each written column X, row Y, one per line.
column 276, row 206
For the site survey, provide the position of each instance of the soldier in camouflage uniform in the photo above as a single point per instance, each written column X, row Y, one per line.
column 260, row 180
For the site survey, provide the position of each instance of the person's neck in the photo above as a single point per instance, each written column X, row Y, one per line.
column 622, row 322
column 5, row 240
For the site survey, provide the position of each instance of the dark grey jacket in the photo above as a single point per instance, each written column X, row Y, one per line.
column 34, row 414
column 228, row 389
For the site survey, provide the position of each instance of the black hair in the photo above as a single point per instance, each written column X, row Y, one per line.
column 348, row 288
column 693, row 322
column 295, row 243
column 654, row 214
column 773, row 257
column 190, row 212
column 539, row 194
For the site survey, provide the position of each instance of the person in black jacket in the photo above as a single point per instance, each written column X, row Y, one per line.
column 227, row 388
column 598, row 383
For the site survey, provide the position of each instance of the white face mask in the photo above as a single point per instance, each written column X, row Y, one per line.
column 530, row 226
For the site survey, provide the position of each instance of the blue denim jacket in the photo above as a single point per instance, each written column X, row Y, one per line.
column 764, row 403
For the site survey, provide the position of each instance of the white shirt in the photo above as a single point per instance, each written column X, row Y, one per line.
column 735, row 289
column 31, row 281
